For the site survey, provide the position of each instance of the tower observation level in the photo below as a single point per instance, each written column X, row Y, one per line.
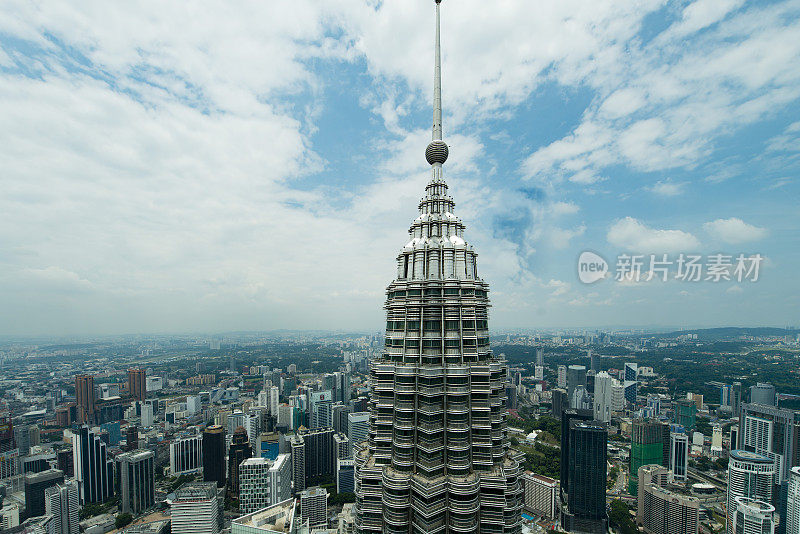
column 437, row 458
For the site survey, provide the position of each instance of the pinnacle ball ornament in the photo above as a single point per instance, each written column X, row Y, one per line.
column 437, row 152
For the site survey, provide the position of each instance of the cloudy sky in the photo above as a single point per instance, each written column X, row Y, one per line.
column 215, row 166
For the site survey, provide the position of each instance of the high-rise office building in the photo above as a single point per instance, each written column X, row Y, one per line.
column 726, row 397
column 630, row 390
column 603, row 396
column 193, row 404
column 358, row 427
column 763, row 393
column 274, row 400
column 264, row 482
column 195, row 509
column 342, row 448
column 581, row 400
column 342, row 391
column 239, row 451
column 186, row 455
column 137, row 481
column 62, row 503
column 298, row 455
column 540, row 356
column 773, row 432
column 566, row 418
column 750, row 475
column 792, row 513
column 314, row 507
column 631, row 371
column 339, row 413
column 22, row 439
column 654, row 405
column 214, row 455
column 585, row 509
column 345, row 476
column 511, row 397
column 85, row 398
column 64, row 462
column 576, row 376
column 561, row 380
column 94, row 469
column 320, row 408
column 685, row 413
column 716, row 441
column 7, row 441
column 137, row 384
column 316, row 449
column 559, row 402
column 541, row 495
column 647, row 448
column 438, row 425
column 594, row 361
column 630, row 383
column 131, row 438
column 733, row 438
column 679, row 455
column 737, row 399
column 662, row 511
column 751, row 516
column 35, row 486
column 268, row 445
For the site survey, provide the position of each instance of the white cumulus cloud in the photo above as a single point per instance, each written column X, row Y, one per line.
column 632, row 235
column 734, row 231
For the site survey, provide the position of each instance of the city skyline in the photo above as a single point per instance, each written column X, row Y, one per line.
column 219, row 177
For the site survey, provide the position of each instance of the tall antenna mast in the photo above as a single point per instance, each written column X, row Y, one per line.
column 437, row 150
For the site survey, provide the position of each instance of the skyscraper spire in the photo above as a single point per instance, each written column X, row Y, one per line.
column 437, row 150
column 437, row 81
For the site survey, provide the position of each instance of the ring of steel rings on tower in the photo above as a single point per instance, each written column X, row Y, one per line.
column 437, row 458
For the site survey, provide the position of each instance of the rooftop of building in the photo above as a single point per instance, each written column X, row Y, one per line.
column 48, row 474
column 748, row 456
column 542, row 478
column 154, row 527
column 275, row 518
column 760, row 506
column 196, row 491
column 136, row 455
column 313, row 492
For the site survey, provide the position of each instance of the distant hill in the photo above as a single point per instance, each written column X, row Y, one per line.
column 731, row 332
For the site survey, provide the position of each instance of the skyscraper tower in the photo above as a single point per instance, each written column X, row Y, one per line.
column 61, row 501
column 214, row 455
column 84, row 398
column 238, row 452
column 792, row 514
column 137, row 384
column 437, row 458
column 647, row 448
column 576, row 376
column 585, row 503
column 750, row 475
column 94, row 469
